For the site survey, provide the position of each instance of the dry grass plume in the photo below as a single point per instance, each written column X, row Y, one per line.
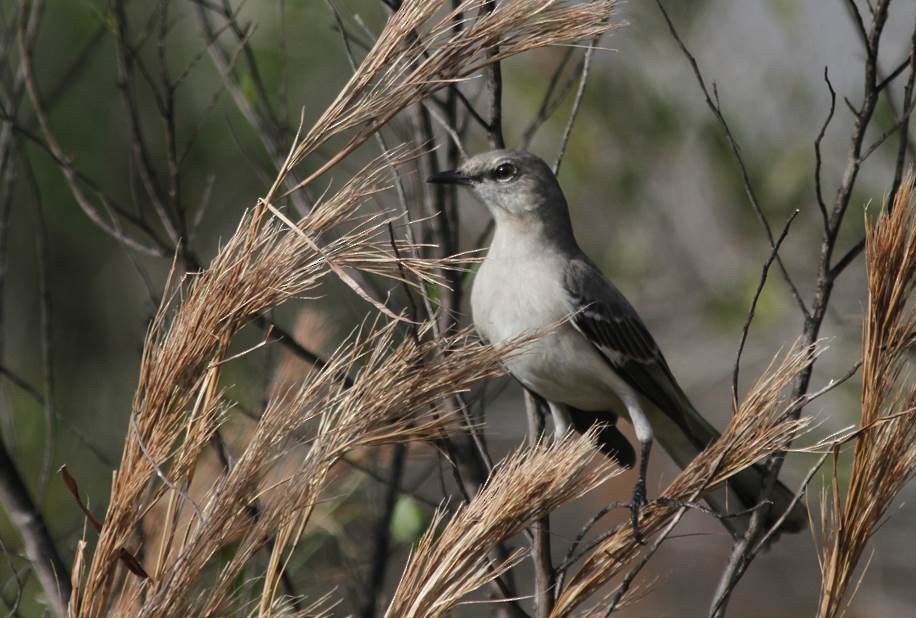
column 759, row 427
column 884, row 456
column 450, row 563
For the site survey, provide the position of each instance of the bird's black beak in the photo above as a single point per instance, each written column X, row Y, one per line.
column 449, row 177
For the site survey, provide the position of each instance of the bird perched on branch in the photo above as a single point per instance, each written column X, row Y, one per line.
column 600, row 362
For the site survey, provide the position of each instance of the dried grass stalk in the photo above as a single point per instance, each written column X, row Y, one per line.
column 417, row 53
column 451, row 560
column 884, row 456
column 394, row 381
column 759, row 427
column 391, row 382
column 175, row 409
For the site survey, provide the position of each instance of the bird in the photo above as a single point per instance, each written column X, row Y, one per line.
column 597, row 360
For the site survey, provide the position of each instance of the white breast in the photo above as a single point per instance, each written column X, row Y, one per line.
column 514, row 295
column 520, row 293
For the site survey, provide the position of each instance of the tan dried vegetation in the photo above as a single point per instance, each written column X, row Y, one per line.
column 268, row 260
column 884, row 455
column 396, row 381
column 760, row 426
column 444, row 568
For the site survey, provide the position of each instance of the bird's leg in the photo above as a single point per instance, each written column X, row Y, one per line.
column 644, row 434
column 639, row 491
column 562, row 421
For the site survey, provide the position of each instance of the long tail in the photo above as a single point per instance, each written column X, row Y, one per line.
column 685, row 439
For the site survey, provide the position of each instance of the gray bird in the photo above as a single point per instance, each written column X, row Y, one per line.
column 600, row 362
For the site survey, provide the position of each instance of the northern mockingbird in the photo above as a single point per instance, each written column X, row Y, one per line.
column 598, row 361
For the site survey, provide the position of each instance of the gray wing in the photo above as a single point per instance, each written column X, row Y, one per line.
column 605, row 317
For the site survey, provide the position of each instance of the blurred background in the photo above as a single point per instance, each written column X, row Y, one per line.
column 657, row 201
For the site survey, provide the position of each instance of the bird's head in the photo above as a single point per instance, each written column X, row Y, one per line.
column 512, row 183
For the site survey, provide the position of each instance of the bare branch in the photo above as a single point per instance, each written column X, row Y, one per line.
column 23, row 384
column 833, row 383
column 24, row 514
column 381, row 536
column 494, row 86
column 905, row 144
column 901, row 125
column 750, row 314
column 739, row 159
column 39, row 547
column 577, row 103
column 817, row 151
column 548, row 102
column 67, row 167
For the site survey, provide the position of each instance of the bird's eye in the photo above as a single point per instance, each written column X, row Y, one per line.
column 505, row 172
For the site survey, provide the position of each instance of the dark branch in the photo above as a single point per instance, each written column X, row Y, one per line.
column 39, row 547
column 549, row 103
column 821, row 203
column 577, row 103
column 750, row 314
column 494, row 86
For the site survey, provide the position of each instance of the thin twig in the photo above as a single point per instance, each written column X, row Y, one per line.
column 900, row 125
column 905, row 143
column 66, row 166
column 750, row 313
column 627, row 580
column 39, row 547
column 29, row 389
column 126, row 60
column 571, row 556
column 403, row 491
column 833, row 383
column 23, row 513
column 577, row 103
column 381, row 536
column 905, row 146
column 736, row 151
column 548, row 102
column 822, row 205
column 160, row 472
column 774, row 529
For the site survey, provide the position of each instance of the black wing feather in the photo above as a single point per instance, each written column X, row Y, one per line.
column 608, row 320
